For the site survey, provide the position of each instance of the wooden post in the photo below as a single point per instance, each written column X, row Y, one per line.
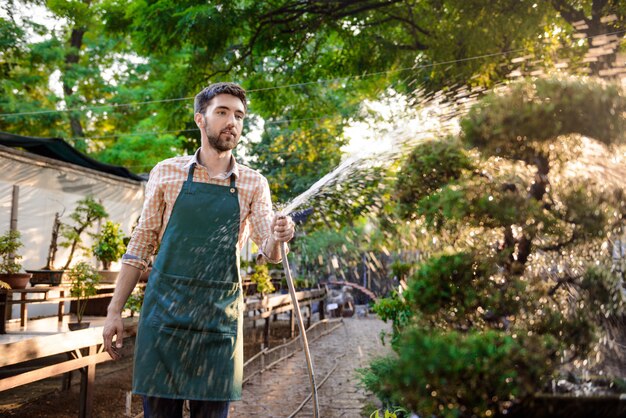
column 308, row 321
column 14, row 205
column 23, row 311
column 292, row 324
column 61, row 305
column 12, row 227
column 320, row 308
column 87, row 379
column 266, row 332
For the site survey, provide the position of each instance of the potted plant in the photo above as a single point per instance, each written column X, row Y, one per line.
column 261, row 277
column 10, row 242
column 83, row 284
column 84, row 216
column 108, row 248
column 48, row 274
column 4, row 288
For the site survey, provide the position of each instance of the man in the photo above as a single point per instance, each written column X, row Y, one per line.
column 198, row 212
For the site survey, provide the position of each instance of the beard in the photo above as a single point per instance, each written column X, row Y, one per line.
column 222, row 142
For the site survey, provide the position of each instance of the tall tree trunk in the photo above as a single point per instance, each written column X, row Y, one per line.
column 71, row 59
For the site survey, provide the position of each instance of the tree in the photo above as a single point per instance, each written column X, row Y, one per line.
column 522, row 283
column 87, row 212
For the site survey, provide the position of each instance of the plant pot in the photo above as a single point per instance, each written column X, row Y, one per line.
column 51, row 277
column 75, row 326
column 16, row 280
column 3, row 306
column 108, row 276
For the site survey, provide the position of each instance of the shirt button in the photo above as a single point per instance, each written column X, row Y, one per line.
column 232, row 190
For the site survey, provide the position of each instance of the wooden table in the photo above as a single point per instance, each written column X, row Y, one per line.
column 42, row 296
column 84, row 349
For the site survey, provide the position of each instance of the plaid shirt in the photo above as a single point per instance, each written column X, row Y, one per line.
column 164, row 185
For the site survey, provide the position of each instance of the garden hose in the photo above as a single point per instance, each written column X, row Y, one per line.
column 303, row 339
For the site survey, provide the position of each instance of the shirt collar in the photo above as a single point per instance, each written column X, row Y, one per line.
column 234, row 167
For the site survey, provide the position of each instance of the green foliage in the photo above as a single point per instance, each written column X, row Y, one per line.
column 83, row 283
column 302, row 283
column 400, row 269
column 523, row 284
column 448, row 374
column 10, row 242
column 135, row 301
column 519, row 121
column 429, row 167
column 86, row 214
column 109, row 244
column 394, row 309
column 263, row 280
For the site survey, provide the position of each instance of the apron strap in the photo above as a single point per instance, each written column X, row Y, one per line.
column 188, row 184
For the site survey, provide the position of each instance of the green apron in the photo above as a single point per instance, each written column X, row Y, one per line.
column 189, row 343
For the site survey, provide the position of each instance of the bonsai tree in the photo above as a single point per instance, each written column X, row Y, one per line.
column 86, row 214
column 518, row 286
column 109, row 244
column 10, row 242
column 263, row 280
column 52, row 249
column 83, row 284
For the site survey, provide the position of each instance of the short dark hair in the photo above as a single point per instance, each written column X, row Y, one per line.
column 203, row 99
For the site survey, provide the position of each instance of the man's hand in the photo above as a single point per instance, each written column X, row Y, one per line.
column 282, row 228
column 113, row 326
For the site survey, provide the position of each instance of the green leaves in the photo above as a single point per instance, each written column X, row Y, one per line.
column 10, row 242
column 109, row 244
column 83, row 284
column 263, row 280
column 517, row 122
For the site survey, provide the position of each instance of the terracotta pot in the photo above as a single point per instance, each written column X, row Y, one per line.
column 108, row 276
column 17, row 280
column 75, row 326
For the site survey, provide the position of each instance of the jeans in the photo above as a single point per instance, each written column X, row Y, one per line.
column 173, row 408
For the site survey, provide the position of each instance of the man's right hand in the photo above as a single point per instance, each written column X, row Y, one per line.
column 113, row 326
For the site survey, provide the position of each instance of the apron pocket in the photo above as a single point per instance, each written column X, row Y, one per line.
column 180, row 303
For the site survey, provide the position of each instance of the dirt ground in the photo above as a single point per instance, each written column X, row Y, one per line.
column 113, row 384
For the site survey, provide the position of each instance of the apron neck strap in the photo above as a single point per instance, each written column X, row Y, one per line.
column 191, row 170
column 190, row 177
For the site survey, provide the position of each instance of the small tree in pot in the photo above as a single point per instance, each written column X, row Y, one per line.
column 10, row 242
column 86, row 214
column 108, row 248
column 48, row 274
column 263, row 280
column 83, row 284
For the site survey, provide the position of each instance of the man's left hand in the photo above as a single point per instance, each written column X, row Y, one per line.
column 282, row 228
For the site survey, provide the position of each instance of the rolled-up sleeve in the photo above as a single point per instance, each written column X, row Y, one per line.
column 145, row 237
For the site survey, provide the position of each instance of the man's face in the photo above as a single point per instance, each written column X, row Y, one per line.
column 223, row 122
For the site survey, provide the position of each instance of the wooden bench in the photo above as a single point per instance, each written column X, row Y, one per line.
column 84, row 350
